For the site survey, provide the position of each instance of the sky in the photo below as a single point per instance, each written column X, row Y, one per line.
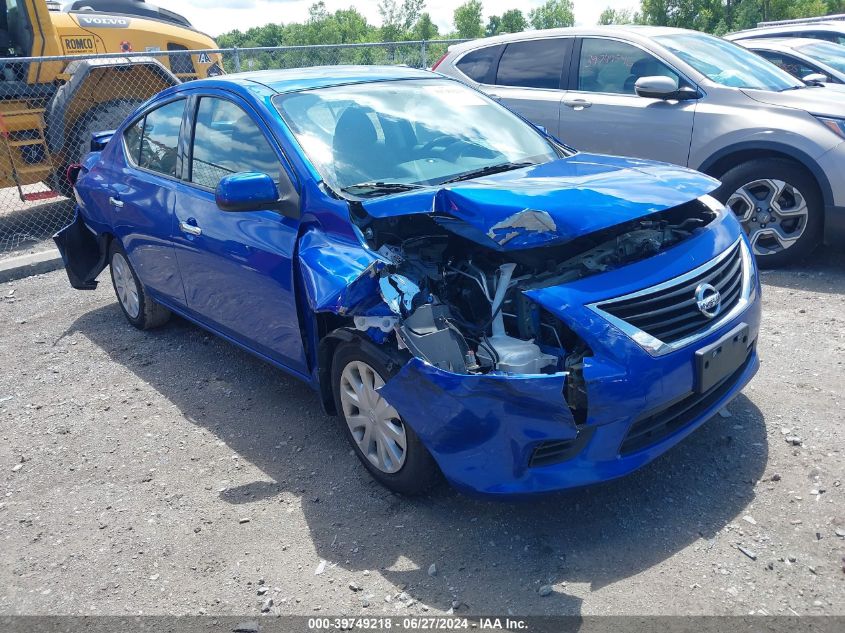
column 219, row 16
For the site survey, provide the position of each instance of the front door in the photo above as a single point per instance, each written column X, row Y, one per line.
column 237, row 267
column 602, row 113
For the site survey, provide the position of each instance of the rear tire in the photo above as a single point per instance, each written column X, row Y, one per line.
column 779, row 206
column 138, row 307
column 387, row 447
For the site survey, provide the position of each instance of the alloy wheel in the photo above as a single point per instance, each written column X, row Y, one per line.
column 375, row 425
column 125, row 285
column 772, row 212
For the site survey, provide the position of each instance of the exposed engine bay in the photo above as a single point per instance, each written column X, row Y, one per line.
column 460, row 306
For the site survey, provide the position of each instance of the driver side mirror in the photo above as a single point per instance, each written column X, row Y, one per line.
column 815, row 79
column 254, row 191
column 662, row 87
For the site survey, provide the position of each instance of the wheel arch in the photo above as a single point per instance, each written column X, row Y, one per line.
column 729, row 157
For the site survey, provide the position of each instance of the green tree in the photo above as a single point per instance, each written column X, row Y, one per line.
column 552, row 14
column 397, row 20
column 513, row 21
column 468, row 20
column 494, row 25
column 425, row 28
column 618, row 16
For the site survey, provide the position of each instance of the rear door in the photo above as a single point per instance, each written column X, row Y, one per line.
column 142, row 194
column 237, row 267
column 601, row 112
column 528, row 79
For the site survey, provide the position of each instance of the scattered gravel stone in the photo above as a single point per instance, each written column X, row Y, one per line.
column 321, row 567
column 354, row 587
column 262, row 590
column 267, row 605
column 775, row 477
column 794, row 440
column 244, row 520
column 16, row 467
column 546, row 590
column 432, row 569
column 839, row 532
column 747, row 552
column 749, row 519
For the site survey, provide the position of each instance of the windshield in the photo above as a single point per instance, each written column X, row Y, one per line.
column 827, row 53
column 726, row 63
column 407, row 133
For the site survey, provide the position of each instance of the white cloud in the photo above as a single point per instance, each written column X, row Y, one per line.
column 218, row 16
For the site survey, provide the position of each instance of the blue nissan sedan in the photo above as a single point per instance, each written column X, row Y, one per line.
column 471, row 297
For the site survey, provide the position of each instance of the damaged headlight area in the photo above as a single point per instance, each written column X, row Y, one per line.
column 461, row 306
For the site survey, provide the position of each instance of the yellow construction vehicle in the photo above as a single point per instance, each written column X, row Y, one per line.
column 49, row 109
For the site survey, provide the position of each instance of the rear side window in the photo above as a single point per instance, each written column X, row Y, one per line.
column 227, row 141
column 476, row 64
column 132, row 139
column 613, row 67
column 152, row 142
column 533, row 64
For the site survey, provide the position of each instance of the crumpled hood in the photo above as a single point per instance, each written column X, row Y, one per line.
column 814, row 99
column 552, row 203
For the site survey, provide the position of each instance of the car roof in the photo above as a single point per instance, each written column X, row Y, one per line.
column 832, row 27
column 296, row 79
column 633, row 31
column 786, row 43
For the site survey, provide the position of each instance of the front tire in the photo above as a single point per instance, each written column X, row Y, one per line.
column 779, row 206
column 387, row 447
column 138, row 307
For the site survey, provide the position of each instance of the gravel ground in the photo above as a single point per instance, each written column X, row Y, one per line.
column 170, row 473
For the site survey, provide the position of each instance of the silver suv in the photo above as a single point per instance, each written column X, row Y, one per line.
column 684, row 97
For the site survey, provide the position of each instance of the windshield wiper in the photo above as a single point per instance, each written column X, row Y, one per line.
column 486, row 171
column 377, row 187
column 798, row 87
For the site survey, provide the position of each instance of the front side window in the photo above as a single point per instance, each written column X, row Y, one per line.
column 831, row 54
column 792, row 65
column 409, row 132
column 726, row 63
column 227, row 141
column 160, row 138
column 476, row 64
column 532, row 64
column 828, row 36
column 614, row 67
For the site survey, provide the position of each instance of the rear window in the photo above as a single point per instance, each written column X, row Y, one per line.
column 476, row 64
column 533, row 64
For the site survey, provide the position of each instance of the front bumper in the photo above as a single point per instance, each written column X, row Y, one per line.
column 485, row 431
column 832, row 163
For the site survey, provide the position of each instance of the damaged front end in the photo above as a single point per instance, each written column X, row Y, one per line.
column 458, row 289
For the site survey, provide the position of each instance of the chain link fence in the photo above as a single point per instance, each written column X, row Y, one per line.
column 50, row 107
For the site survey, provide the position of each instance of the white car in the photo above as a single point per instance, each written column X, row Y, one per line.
column 802, row 57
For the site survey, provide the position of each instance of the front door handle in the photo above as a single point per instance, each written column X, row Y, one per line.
column 190, row 229
column 577, row 104
column 116, row 202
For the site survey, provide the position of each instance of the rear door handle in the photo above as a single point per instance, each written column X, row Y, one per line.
column 190, row 229
column 577, row 104
column 116, row 202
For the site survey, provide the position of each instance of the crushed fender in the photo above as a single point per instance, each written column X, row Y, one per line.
column 457, row 414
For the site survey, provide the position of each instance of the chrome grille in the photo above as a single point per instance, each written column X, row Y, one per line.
column 667, row 316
